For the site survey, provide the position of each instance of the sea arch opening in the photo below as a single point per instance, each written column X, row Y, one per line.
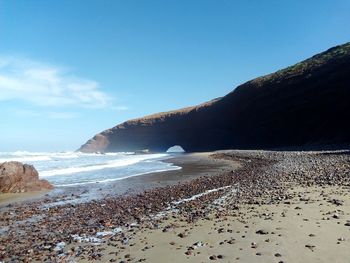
column 176, row 149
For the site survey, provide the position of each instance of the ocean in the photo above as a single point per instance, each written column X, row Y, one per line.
column 67, row 169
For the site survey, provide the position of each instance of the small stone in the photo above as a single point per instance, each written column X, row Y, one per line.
column 309, row 246
column 182, row 235
column 261, row 232
column 213, row 257
column 254, row 245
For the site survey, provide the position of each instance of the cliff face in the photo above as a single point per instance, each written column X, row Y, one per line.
column 302, row 105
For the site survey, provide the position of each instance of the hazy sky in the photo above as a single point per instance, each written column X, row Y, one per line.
column 70, row 69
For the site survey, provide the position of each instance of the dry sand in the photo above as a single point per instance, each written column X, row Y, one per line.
column 302, row 231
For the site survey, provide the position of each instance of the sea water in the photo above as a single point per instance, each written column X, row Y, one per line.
column 65, row 169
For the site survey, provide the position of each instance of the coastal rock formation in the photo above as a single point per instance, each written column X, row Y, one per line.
column 304, row 105
column 16, row 177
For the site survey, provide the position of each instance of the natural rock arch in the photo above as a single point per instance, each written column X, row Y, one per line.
column 304, row 105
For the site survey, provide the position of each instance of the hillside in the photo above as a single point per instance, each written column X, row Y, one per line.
column 304, row 105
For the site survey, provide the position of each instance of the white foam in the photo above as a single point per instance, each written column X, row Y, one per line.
column 107, row 154
column 66, row 155
column 109, row 164
column 171, row 168
column 26, row 159
column 60, row 246
column 170, row 208
column 99, row 236
column 109, row 233
column 119, row 153
column 23, row 156
column 84, row 238
column 194, row 197
column 25, row 153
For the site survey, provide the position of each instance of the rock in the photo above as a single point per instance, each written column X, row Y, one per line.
column 336, row 216
column 213, row 257
column 261, row 232
column 16, row 177
column 198, row 244
column 336, row 202
column 182, row 235
column 311, row 247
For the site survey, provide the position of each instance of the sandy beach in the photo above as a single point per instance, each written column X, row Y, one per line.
column 236, row 206
column 303, row 231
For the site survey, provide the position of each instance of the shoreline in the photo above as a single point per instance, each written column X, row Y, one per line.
column 192, row 165
column 266, row 190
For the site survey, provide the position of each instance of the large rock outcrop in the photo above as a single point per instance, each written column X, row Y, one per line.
column 303, row 105
column 16, row 177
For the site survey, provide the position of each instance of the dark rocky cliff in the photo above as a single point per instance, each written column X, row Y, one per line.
column 300, row 106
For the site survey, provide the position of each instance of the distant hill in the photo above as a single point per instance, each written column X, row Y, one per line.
column 305, row 105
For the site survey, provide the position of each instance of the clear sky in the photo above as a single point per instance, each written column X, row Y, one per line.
column 70, row 69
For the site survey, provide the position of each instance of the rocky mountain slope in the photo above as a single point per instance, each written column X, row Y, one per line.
column 303, row 105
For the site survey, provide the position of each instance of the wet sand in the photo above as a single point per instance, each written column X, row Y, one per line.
column 193, row 165
column 13, row 198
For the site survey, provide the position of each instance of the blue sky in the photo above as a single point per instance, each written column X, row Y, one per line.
column 70, row 69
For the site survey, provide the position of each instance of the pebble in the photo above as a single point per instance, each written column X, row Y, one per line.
column 309, row 246
column 262, row 232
